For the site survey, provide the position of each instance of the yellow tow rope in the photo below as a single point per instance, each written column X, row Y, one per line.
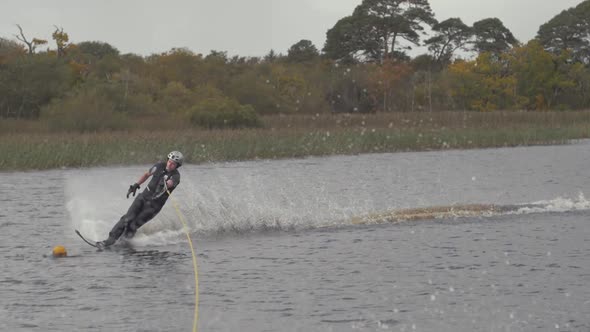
column 190, row 243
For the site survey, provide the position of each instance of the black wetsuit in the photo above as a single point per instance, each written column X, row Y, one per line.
column 147, row 204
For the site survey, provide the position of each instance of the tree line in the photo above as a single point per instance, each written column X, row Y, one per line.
column 364, row 66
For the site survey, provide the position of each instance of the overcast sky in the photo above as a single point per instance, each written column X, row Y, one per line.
column 240, row 27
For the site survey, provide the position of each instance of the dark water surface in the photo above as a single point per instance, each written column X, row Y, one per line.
column 278, row 251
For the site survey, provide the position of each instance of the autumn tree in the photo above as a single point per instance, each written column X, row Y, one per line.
column 61, row 39
column 388, row 83
column 482, row 84
column 177, row 65
column 542, row 77
column 10, row 49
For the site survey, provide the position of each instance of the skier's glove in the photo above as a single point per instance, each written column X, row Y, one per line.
column 132, row 189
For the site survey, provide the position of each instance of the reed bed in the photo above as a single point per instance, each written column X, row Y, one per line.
column 288, row 137
column 449, row 119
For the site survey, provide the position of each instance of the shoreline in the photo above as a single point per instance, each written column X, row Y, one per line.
column 55, row 151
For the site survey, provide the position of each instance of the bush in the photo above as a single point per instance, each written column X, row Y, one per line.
column 30, row 82
column 224, row 113
column 249, row 89
column 176, row 98
column 83, row 112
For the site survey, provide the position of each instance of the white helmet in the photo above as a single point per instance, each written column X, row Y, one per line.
column 176, row 157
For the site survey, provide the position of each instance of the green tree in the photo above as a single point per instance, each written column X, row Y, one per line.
column 220, row 56
column 492, row 36
column 272, row 56
column 252, row 88
column 349, row 90
column 97, row 49
column 215, row 69
column 176, row 98
column 349, row 41
column 302, row 51
column 569, row 30
column 397, row 20
column 578, row 96
column 28, row 83
column 377, row 28
column 450, row 35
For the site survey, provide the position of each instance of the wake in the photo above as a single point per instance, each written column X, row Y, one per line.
column 457, row 211
column 223, row 210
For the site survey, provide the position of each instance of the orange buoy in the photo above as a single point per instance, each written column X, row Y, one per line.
column 59, row 251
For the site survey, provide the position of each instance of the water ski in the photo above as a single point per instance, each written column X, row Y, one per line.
column 89, row 242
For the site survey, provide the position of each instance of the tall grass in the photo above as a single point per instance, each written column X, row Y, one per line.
column 28, row 145
column 431, row 120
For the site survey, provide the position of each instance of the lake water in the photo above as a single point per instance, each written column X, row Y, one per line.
column 344, row 243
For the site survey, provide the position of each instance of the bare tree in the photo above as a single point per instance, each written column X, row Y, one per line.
column 32, row 45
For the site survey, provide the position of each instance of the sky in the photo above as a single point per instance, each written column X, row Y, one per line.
column 239, row 27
